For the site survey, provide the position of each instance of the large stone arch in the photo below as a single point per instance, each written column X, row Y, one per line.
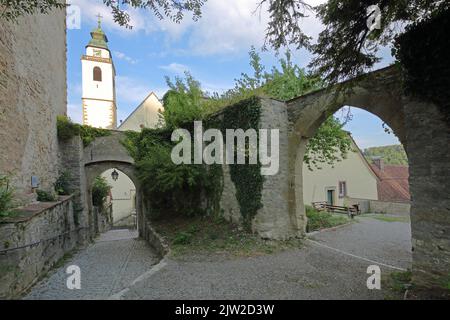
column 424, row 131
column 378, row 93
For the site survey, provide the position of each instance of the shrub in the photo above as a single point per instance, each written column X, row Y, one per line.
column 45, row 196
column 322, row 220
column 62, row 184
column 173, row 189
column 67, row 129
column 182, row 238
column 100, row 190
column 6, row 196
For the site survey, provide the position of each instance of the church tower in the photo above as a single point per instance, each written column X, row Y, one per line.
column 98, row 82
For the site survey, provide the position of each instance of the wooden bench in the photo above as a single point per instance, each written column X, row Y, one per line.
column 350, row 211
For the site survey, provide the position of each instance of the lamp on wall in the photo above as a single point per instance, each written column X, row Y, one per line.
column 115, row 175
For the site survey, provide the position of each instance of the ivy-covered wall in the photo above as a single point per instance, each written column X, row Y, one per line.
column 247, row 179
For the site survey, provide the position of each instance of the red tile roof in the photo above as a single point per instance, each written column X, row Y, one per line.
column 393, row 182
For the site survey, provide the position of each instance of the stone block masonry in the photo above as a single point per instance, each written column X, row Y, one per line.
column 33, row 241
column 33, row 92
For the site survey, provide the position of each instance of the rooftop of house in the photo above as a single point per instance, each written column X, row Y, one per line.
column 393, row 182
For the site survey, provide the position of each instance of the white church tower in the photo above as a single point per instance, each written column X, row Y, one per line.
column 98, row 78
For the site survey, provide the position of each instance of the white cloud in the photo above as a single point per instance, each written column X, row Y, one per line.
column 123, row 56
column 75, row 112
column 226, row 27
column 176, row 68
column 133, row 91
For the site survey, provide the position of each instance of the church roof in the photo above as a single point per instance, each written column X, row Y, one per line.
column 145, row 115
column 99, row 38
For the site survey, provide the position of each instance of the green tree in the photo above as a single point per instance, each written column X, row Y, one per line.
column 183, row 102
column 346, row 47
column 394, row 154
column 186, row 102
column 100, row 190
column 174, row 10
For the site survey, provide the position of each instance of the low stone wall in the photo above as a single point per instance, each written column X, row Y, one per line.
column 154, row 239
column 376, row 206
column 33, row 241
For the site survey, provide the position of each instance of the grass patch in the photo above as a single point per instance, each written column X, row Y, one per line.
column 395, row 284
column 385, row 218
column 323, row 220
column 206, row 235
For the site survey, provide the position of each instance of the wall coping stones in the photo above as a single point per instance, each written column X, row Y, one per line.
column 32, row 210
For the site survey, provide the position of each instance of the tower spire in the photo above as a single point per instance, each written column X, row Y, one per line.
column 98, row 37
column 99, row 21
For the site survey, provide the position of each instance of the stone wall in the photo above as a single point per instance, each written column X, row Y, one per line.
column 32, row 93
column 428, row 151
column 272, row 220
column 376, row 206
column 32, row 242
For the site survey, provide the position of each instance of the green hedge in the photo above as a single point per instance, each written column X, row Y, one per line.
column 67, row 129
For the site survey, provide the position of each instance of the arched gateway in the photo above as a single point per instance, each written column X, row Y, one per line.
column 422, row 128
column 106, row 153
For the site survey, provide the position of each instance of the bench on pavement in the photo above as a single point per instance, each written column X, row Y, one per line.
column 325, row 206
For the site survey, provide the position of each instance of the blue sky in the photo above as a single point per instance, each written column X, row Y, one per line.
column 214, row 50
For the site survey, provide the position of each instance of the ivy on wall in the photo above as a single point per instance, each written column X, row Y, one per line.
column 190, row 189
column 67, row 129
column 423, row 54
column 247, row 177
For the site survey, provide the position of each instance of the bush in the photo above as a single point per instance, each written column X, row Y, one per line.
column 173, row 189
column 182, row 238
column 67, row 129
column 322, row 220
column 45, row 196
column 6, row 196
column 100, row 190
column 62, row 184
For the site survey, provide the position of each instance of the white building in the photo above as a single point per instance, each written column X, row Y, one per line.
column 353, row 177
column 98, row 83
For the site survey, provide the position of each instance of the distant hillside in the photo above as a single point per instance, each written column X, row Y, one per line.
column 394, row 154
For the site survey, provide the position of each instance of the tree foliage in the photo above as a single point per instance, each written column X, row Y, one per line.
column 346, row 47
column 11, row 10
column 330, row 143
column 100, row 190
column 174, row 10
column 183, row 101
column 394, row 154
column 173, row 189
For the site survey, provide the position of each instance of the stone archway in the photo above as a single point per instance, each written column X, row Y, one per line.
column 95, row 169
column 378, row 93
column 422, row 129
column 106, row 153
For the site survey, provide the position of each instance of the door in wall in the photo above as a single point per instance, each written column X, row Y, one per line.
column 330, row 197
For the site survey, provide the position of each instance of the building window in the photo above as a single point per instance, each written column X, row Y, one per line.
column 342, row 189
column 97, row 74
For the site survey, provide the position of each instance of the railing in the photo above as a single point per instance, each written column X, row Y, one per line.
column 325, row 206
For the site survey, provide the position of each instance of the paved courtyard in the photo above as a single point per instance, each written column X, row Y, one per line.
column 331, row 265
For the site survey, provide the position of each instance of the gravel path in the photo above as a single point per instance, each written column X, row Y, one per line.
column 331, row 265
